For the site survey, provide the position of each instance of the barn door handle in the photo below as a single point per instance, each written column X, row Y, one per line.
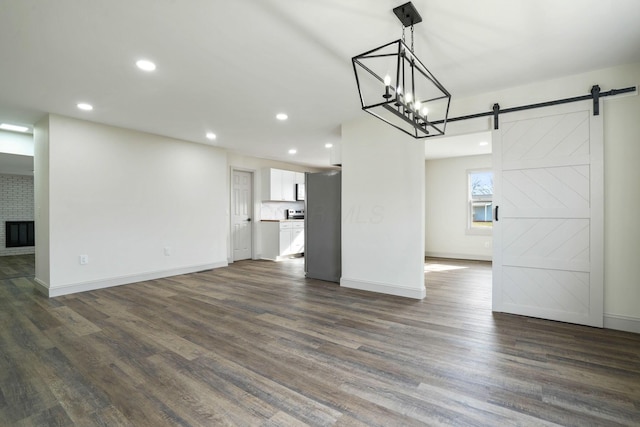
column 497, row 207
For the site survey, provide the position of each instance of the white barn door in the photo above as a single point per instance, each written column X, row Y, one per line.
column 548, row 198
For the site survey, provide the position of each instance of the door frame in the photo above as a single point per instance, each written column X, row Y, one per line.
column 252, row 210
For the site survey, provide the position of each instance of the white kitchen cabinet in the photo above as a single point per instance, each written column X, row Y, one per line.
column 288, row 185
column 299, row 177
column 285, row 239
column 297, row 238
column 278, row 185
column 282, row 239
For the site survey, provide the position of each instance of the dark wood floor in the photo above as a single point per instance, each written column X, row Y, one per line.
column 257, row 344
column 17, row 266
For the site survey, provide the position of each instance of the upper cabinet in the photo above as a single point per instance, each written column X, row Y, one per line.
column 279, row 185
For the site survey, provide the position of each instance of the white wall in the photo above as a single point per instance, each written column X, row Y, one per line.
column 16, row 143
column 447, row 208
column 382, row 209
column 41, row 200
column 121, row 197
column 248, row 162
column 621, row 173
column 16, row 153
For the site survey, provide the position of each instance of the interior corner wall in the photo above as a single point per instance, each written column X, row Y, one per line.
column 446, row 192
column 382, row 209
column 41, row 201
column 140, row 206
column 621, row 172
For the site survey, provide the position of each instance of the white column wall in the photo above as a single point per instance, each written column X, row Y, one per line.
column 123, row 197
column 382, row 209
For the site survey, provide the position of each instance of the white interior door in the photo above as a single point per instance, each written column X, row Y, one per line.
column 548, row 219
column 241, row 234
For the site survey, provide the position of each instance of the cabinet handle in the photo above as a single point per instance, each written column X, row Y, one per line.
column 497, row 207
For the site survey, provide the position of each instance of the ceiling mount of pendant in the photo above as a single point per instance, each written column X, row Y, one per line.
column 407, row 14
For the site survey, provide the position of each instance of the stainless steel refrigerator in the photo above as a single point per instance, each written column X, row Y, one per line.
column 322, row 233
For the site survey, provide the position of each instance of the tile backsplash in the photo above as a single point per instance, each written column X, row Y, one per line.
column 277, row 210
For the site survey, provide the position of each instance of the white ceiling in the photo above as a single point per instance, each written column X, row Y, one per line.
column 229, row 67
column 472, row 144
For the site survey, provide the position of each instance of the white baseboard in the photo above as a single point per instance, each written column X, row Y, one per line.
column 42, row 287
column 384, row 288
column 622, row 323
column 458, row 256
column 122, row 280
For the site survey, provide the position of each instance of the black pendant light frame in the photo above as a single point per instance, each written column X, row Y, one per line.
column 392, row 97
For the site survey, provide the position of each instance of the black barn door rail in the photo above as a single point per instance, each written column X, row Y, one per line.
column 595, row 94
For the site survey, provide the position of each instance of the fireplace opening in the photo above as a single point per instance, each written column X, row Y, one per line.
column 19, row 234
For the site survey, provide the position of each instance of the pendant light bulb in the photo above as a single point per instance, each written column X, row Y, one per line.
column 416, row 105
column 408, row 97
column 387, row 80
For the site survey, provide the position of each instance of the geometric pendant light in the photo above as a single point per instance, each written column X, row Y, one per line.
column 396, row 87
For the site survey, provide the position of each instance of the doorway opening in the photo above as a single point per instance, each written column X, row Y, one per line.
column 462, row 282
column 457, row 208
column 17, row 212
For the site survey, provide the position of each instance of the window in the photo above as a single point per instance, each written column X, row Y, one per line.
column 480, row 203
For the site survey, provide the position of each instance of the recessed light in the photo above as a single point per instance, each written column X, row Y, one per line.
column 146, row 65
column 14, row 128
column 483, row 143
column 281, row 116
column 84, row 106
column 293, row 151
column 211, row 135
column 328, row 145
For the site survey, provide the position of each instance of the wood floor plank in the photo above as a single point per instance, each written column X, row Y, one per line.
column 23, row 394
column 214, row 368
column 73, row 321
column 17, row 266
column 110, row 416
column 220, row 404
column 53, row 417
column 256, row 343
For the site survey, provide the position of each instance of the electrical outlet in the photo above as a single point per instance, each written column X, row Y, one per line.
column 84, row 259
column 167, row 251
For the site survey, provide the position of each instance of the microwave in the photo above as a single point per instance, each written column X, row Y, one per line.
column 300, row 190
